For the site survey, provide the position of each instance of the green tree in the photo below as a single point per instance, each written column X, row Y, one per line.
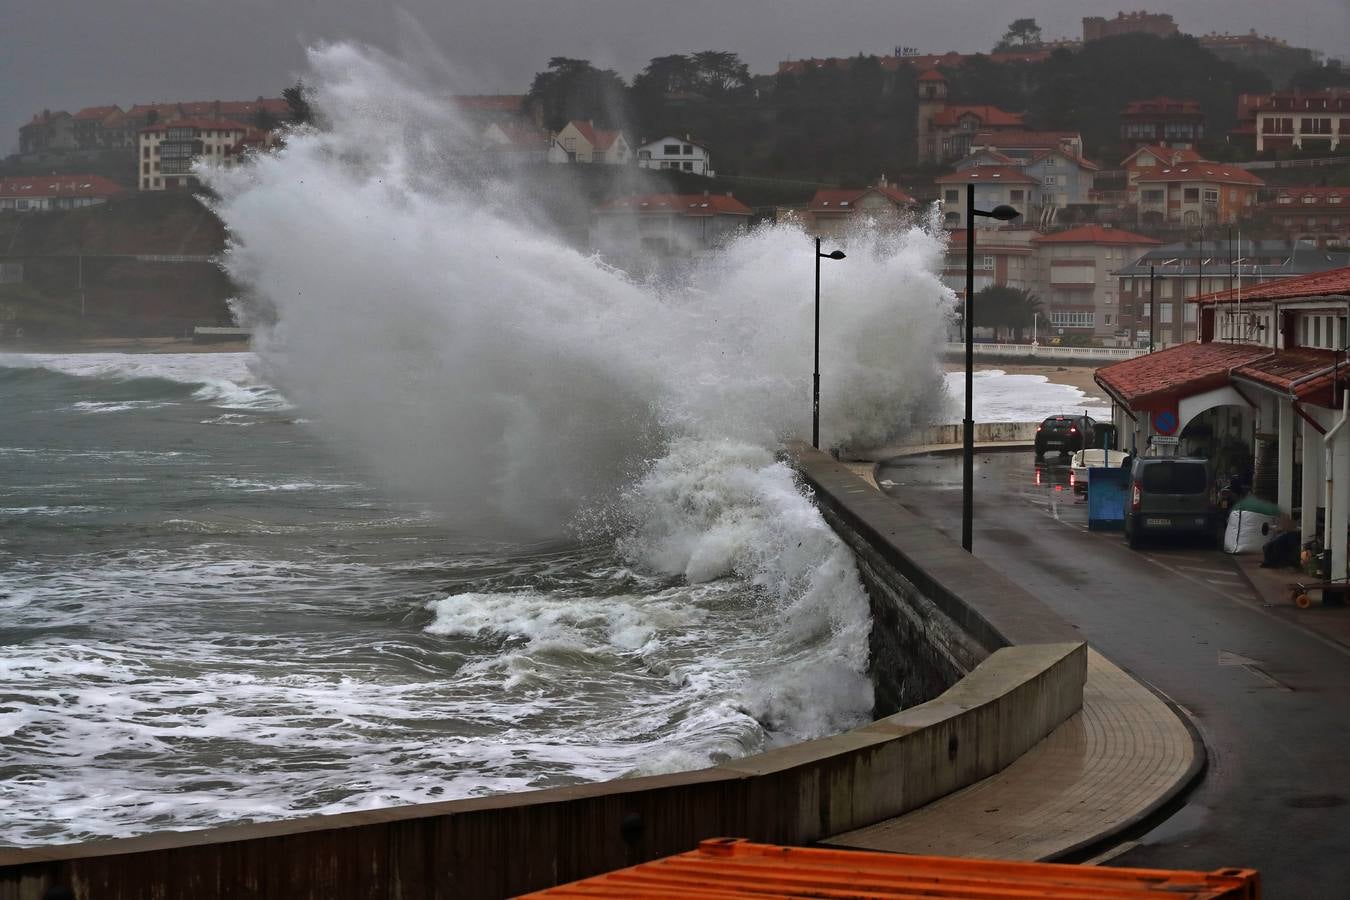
column 574, row 89
column 1010, row 308
column 297, row 97
column 1021, row 33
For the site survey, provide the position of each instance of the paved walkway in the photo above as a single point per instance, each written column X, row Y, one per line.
column 1121, row 758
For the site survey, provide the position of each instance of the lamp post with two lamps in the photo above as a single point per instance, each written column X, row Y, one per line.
column 815, row 373
column 1003, row 213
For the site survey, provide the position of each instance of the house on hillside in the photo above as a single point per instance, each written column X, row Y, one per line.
column 1316, row 122
column 47, row 192
column 582, row 142
column 1161, row 121
column 47, row 132
column 168, row 151
column 1079, row 283
column 1152, row 158
column 945, row 130
column 1320, row 215
column 1022, row 144
column 832, row 211
column 513, row 141
column 1196, row 194
column 655, row 225
column 102, row 128
column 677, row 154
column 994, row 186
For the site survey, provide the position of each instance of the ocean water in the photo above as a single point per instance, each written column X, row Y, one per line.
column 211, row 615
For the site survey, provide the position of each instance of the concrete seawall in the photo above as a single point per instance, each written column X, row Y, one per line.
column 985, row 670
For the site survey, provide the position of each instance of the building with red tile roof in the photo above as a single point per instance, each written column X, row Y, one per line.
column 168, row 151
column 1197, row 194
column 674, row 153
column 664, row 225
column 581, row 142
column 1293, row 120
column 1318, row 214
column 47, row 132
column 832, row 211
column 1332, row 284
column 1078, row 281
column 46, row 192
column 995, row 186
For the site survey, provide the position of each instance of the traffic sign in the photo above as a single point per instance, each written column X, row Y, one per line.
column 1166, row 422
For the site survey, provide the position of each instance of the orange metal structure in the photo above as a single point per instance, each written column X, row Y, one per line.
column 734, row 869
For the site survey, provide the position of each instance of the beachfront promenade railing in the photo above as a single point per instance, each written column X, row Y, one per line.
column 1043, row 351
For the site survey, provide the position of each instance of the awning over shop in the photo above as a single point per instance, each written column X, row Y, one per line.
column 1159, row 380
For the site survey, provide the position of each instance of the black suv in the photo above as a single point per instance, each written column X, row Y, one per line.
column 1063, row 434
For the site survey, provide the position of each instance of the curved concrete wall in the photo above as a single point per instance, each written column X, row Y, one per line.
column 1009, row 698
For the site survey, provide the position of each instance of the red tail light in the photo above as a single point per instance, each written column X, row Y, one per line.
column 1073, row 431
column 1134, row 496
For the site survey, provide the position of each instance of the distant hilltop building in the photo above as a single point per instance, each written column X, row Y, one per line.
column 98, row 128
column 1272, row 56
column 1161, row 24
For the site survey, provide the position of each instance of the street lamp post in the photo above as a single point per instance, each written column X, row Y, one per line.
column 815, row 372
column 1002, row 213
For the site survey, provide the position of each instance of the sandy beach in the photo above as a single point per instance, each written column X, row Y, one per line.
column 1077, row 376
column 124, row 345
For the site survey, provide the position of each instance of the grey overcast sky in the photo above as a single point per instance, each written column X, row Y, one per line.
column 66, row 54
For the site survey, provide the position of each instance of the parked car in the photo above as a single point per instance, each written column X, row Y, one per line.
column 1063, row 434
column 1091, row 458
column 1170, row 495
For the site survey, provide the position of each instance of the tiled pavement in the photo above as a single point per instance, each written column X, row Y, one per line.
column 1126, row 754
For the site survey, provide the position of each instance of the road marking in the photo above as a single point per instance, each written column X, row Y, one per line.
column 1253, row 666
column 1225, row 572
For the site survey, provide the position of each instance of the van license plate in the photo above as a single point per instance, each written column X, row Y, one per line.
column 1159, row 523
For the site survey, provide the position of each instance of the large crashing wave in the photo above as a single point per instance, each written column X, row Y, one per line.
column 477, row 360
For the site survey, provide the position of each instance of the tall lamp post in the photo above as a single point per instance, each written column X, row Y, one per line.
column 815, row 373
column 1003, row 213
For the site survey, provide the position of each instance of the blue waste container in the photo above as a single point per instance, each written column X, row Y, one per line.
column 1107, row 492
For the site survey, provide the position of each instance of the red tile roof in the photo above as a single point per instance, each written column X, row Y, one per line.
column 1302, row 372
column 1029, row 139
column 596, row 137
column 987, row 174
column 497, row 103
column 523, row 136
column 1082, row 162
column 59, row 186
column 682, row 204
column 1167, row 155
column 844, row 199
column 199, row 124
column 1331, row 283
column 1335, row 198
column 1202, row 171
column 932, row 75
column 1160, row 379
column 1161, row 105
column 1094, row 234
column 988, row 116
column 97, row 112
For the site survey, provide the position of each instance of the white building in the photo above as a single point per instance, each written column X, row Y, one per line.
column 673, row 153
column 582, row 142
column 168, row 150
column 43, row 192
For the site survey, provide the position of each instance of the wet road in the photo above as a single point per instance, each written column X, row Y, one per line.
column 1269, row 698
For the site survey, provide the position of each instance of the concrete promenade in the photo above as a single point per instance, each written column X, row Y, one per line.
column 1106, row 770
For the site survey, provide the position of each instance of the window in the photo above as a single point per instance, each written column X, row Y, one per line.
column 1016, row 197
column 1309, row 199
column 1211, row 195
column 1191, row 195
column 1334, row 198
column 1316, row 126
column 952, row 197
column 145, row 168
column 1109, row 319
column 986, row 262
column 688, row 149
column 1165, row 314
column 1285, row 199
column 644, row 154
column 671, row 149
column 1049, row 180
column 597, row 156
column 688, row 166
column 1317, row 331
column 1155, row 197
